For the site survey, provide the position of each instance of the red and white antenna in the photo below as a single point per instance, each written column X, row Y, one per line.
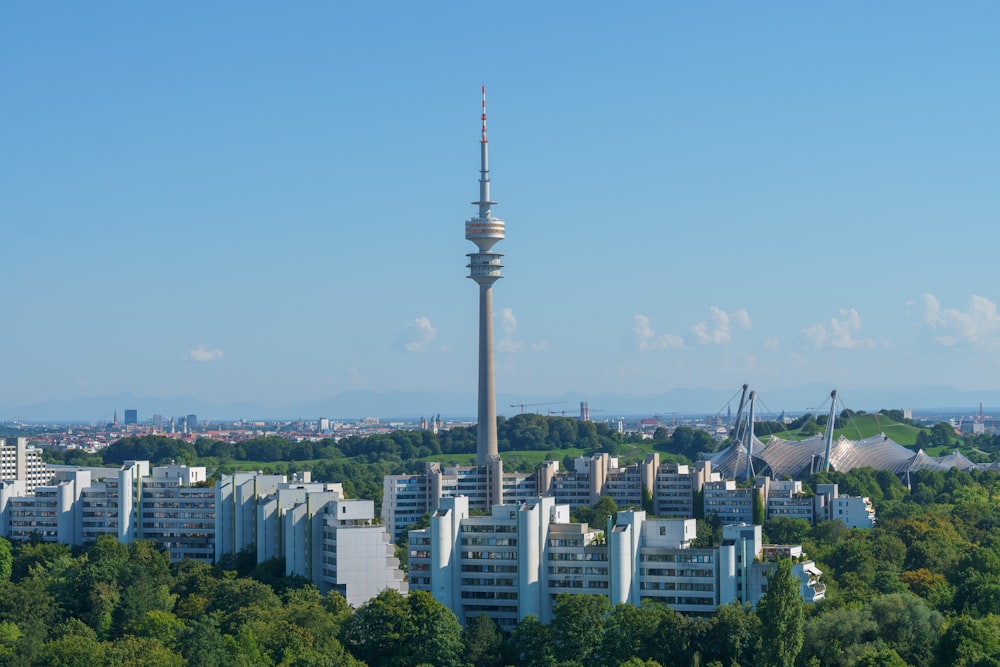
column 484, row 115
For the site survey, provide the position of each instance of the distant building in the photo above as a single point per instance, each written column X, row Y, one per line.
column 192, row 423
column 131, row 417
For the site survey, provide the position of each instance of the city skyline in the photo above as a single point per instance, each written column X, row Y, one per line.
column 251, row 205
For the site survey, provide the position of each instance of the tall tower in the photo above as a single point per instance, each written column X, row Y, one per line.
column 484, row 267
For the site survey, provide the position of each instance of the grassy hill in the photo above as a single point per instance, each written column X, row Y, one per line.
column 865, row 426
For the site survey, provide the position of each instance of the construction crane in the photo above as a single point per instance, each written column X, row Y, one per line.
column 531, row 405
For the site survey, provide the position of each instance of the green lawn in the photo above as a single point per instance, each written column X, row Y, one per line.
column 865, row 426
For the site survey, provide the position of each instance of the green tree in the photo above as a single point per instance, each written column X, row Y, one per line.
column 72, row 650
column 942, row 434
column 970, row 642
column 782, row 616
column 908, row 625
column 597, row 515
column 836, row 637
column 628, row 632
column 437, row 636
column 163, row 626
column 880, row 657
column 9, row 634
column 202, row 644
column 578, row 626
column 132, row 651
column 785, row 530
column 482, row 642
column 239, row 601
column 6, row 560
column 758, row 506
column 731, row 635
column 391, row 630
column 531, row 643
column 145, row 585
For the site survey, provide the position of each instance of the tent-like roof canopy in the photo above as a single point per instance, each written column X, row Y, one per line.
column 800, row 458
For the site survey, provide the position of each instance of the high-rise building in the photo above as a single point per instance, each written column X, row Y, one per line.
column 19, row 462
column 192, row 423
column 131, row 417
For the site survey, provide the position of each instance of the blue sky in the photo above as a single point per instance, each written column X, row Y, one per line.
column 253, row 202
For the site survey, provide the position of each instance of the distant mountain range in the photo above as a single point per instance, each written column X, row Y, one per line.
column 410, row 405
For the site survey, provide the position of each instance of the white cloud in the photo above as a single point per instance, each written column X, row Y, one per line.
column 508, row 325
column 419, row 335
column 839, row 332
column 770, row 343
column 979, row 326
column 202, row 353
column 742, row 319
column 720, row 330
column 510, row 345
column 646, row 338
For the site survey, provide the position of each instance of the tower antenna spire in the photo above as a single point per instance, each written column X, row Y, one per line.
column 484, row 115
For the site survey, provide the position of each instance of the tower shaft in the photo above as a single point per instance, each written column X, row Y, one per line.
column 486, row 434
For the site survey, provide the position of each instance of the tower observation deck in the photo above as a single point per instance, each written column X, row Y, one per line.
column 484, row 267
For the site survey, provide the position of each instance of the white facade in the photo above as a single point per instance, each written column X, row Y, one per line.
column 177, row 511
column 332, row 541
column 356, row 557
column 515, row 562
column 729, row 502
column 51, row 512
column 673, row 489
column 785, row 499
column 853, row 511
column 20, row 462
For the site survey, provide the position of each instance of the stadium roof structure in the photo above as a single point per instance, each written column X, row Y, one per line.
column 800, row 458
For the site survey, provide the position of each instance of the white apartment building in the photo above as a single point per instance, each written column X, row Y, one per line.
column 108, row 506
column 855, row 512
column 51, row 512
column 729, row 502
column 407, row 498
column 177, row 511
column 786, row 499
column 356, row 557
column 20, row 462
column 515, row 562
column 674, row 489
column 332, row 541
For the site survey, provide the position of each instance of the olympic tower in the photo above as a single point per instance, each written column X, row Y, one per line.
column 484, row 267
